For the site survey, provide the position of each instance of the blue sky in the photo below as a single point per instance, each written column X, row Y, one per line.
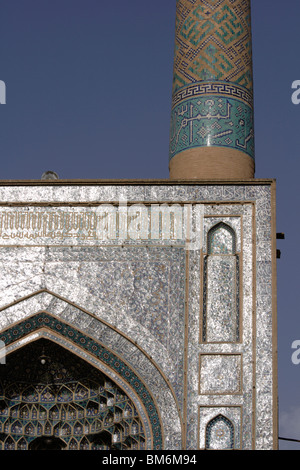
column 89, row 96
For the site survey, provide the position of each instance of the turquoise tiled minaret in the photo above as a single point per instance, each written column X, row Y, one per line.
column 212, row 133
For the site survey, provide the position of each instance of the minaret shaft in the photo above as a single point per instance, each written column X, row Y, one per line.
column 212, row 133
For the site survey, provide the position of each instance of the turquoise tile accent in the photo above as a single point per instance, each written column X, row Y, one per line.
column 211, row 119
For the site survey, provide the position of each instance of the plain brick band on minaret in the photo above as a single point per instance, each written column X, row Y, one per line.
column 212, row 134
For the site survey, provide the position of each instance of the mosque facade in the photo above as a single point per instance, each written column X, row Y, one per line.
column 142, row 314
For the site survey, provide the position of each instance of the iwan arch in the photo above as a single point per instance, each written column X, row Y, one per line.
column 47, row 316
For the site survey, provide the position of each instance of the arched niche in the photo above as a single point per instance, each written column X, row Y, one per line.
column 221, row 291
column 219, row 433
column 145, row 415
column 221, row 239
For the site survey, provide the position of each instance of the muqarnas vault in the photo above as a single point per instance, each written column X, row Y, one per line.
column 142, row 314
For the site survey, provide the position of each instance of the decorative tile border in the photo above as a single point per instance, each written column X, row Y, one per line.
column 212, row 121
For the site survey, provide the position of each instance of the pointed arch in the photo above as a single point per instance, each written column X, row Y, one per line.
column 221, row 286
column 221, row 239
column 62, row 315
column 219, row 433
column 45, row 325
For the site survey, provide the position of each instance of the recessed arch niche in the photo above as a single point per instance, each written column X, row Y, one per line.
column 219, row 433
column 221, row 286
column 113, row 410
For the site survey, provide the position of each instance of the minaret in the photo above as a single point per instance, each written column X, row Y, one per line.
column 212, row 135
